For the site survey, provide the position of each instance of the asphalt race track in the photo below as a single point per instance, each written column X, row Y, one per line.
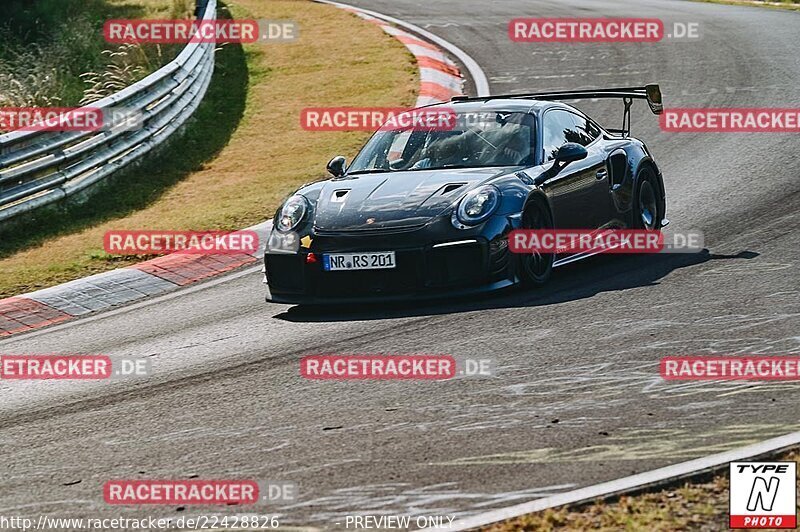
column 577, row 397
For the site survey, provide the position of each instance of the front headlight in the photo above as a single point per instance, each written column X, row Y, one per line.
column 477, row 206
column 292, row 213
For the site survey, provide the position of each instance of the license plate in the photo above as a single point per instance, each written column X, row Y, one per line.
column 380, row 260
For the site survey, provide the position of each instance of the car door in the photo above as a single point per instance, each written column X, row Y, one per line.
column 590, row 136
column 579, row 192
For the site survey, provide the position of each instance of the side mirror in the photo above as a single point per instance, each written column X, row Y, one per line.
column 571, row 152
column 336, row 166
column 568, row 153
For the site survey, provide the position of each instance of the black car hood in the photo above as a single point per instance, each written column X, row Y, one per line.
column 394, row 200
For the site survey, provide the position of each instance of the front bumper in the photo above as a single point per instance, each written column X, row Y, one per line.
column 459, row 266
column 307, row 299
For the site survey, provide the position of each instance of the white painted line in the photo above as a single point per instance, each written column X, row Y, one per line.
column 475, row 71
column 626, row 484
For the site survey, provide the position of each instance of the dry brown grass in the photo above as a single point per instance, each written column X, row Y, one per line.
column 338, row 60
column 792, row 5
column 691, row 506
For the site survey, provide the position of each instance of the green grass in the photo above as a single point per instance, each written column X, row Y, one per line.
column 209, row 130
column 47, row 46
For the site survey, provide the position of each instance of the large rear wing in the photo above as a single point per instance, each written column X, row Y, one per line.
column 651, row 93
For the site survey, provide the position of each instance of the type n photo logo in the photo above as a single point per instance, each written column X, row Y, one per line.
column 763, row 495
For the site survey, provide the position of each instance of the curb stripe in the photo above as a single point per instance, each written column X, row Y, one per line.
column 101, row 291
column 19, row 314
column 429, row 62
column 427, row 100
column 430, row 88
column 406, row 39
column 440, row 79
column 452, row 83
column 183, row 269
column 420, row 51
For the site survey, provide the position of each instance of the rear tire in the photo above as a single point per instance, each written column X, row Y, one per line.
column 536, row 268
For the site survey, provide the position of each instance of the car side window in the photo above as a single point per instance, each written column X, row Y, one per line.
column 594, row 130
column 559, row 128
column 562, row 126
column 586, row 131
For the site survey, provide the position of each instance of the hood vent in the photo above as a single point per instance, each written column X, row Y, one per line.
column 450, row 187
column 339, row 196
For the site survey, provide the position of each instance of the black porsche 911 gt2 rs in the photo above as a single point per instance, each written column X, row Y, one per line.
column 422, row 212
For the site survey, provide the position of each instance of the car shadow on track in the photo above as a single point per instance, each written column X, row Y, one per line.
column 584, row 279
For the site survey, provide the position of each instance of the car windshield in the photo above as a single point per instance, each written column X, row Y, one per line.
column 475, row 140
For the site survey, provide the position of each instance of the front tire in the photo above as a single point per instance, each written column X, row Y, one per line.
column 646, row 213
column 536, row 268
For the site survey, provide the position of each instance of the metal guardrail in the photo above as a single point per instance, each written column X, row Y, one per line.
column 40, row 167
